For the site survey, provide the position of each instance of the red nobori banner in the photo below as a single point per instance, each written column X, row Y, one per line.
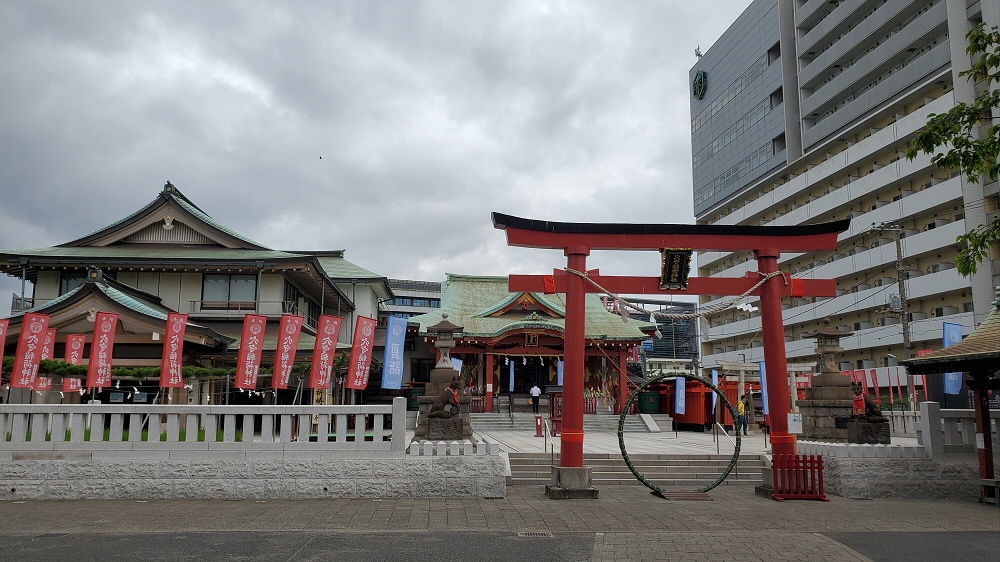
column 4, row 324
column 43, row 383
column 327, row 334
column 29, row 350
column 72, row 385
column 74, row 348
column 361, row 354
column 251, row 348
column 171, row 373
column 49, row 347
column 288, row 343
column 102, row 350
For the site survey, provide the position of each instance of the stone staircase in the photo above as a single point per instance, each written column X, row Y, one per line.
column 685, row 472
column 526, row 422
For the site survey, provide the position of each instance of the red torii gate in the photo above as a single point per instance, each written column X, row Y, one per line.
column 578, row 239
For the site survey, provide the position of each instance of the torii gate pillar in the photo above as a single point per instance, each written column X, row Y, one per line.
column 571, row 449
column 773, row 329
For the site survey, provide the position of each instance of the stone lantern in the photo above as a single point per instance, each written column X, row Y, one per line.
column 829, row 403
column 444, row 407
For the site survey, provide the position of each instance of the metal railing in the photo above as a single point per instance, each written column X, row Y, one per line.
column 55, row 427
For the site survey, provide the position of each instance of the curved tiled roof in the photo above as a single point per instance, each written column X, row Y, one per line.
column 465, row 297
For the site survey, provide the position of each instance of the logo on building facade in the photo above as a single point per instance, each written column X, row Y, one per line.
column 699, row 85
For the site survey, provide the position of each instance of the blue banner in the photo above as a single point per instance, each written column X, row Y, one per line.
column 951, row 334
column 456, row 364
column 559, row 373
column 680, row 399
column 392, row 361
column 763, row 386
column 715, row 381
column 511, row 388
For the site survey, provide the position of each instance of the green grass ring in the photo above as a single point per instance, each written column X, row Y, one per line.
column 628, row 405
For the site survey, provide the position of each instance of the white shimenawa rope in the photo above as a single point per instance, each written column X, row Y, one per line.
column 683, row 315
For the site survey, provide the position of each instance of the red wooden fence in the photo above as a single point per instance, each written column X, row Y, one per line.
column 477, row 405
column 798, row 477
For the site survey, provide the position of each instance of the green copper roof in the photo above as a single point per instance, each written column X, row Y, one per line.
column 339, row 268
column 191, row 208
column 150, row 251
column 465, row 298
column 131, row 302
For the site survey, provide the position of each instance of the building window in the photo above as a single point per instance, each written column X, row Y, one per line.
column 421, row 302
column 69, row 280
column 222, row 291
column 435, row 303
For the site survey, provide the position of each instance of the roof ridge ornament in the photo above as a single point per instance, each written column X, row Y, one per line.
column 169, row 187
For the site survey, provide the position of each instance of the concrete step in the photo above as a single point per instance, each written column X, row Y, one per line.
column 689, row 471
column 679, row 482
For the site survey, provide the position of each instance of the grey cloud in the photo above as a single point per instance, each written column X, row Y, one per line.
column 427, row 116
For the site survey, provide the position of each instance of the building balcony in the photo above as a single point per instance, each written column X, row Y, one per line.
column 864, row 299
column 923, row 333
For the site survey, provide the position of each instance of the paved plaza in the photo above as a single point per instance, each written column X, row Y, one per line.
column 625, row 523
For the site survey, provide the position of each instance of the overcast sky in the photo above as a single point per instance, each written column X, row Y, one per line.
column 388, row 129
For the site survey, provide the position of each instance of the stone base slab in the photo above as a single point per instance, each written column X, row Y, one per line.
column 571, row 482
column 554, row 493
column 477, row 476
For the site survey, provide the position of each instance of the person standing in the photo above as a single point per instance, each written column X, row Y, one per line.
column 741, row 409
column 536, row 393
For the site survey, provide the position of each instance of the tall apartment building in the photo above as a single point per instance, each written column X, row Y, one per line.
column 802, row 113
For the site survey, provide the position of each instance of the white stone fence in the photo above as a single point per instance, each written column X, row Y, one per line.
column 952, row 431
column 903, row 423
column 165, row 431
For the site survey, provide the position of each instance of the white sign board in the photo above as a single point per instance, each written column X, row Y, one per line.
column 794, row 422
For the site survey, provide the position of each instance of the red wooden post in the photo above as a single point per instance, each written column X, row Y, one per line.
column 779, row 402
column 571, row 444
column 489, row 378
column 984, row 439
column 622, row 381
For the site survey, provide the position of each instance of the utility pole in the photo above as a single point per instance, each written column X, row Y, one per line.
column 901, row 309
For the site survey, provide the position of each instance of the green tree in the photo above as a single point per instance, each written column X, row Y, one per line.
column 953, row 141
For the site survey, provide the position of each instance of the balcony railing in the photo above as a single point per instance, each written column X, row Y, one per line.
column 240, row 308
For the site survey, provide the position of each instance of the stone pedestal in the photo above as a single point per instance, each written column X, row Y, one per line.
column 825, row 420
column 571, row 482
column 868, row 433
column 458, row 427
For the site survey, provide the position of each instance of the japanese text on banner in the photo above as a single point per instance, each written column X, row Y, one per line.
column 289, row 331
column 327, row 335
column 251, row 348
column 361, row 353
column 171, row 368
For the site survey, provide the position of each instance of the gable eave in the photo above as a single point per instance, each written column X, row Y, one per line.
column 194, row 215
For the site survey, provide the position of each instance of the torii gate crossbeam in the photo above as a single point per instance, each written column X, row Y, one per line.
column 578, row 239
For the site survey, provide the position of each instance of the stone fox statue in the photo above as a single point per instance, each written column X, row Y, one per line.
column 445, row 405
column 864, row 405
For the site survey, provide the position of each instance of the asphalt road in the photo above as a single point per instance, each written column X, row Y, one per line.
column 299, row 546
column 967, row 546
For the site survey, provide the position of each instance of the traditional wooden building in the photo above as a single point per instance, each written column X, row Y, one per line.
column 172, row 256
column 512, row 341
